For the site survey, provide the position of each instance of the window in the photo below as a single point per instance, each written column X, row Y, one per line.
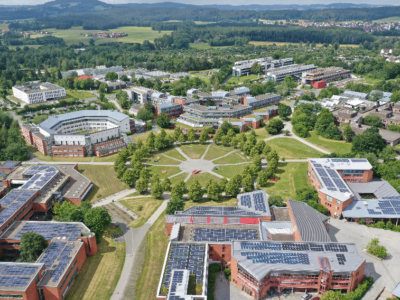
column 223, row 255
column 337, row 202
column 337, row 207
column 9, row 296
column 329, row 198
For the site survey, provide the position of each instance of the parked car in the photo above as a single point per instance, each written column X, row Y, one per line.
column 306, row 296
column 196, row 171
column 156, row 160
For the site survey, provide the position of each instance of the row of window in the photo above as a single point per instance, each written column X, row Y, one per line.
column 65, row 150
column 67, row 155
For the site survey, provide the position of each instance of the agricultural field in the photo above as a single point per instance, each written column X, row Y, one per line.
column 77, row 34
column 100, row 273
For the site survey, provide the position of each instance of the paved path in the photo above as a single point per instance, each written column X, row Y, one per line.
column 182, row 153
column 171, row 157
column 116, row 197
column 225, row 155
column 133, row 237
column 205, row 152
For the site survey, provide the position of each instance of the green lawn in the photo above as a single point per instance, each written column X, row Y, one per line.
column 390, row 19
column 194, row 151
column 232, row 158
column 143, row 207
column 78, row 94
column 77, row 35
column 328, row 145
column 217, row 151
column 175, row 154
column 202, row 178
column 292, row 149
column 261, row 133
column 292, row 176
column 101, row 272
column 104, row 179
column 178, row 178
column 163, row 160
column 157, row 170
column 109, row 158
column 229, row 171
column 234, row 80
column 141, row 137
column 224, row 201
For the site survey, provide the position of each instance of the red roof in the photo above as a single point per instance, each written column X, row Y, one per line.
column 83, row 77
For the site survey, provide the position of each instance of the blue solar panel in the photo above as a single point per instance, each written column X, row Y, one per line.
column 14, row 281
column 373, row 212
column 332, row 173
column 245, row 200
column 321, row 172
column 223, row 235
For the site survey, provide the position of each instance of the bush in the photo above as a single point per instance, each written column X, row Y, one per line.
column 140, row 208
column 227, row 273
column 357, row 294
column 374, row 248
column 212, row 270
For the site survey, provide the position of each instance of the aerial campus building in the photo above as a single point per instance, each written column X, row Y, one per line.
column 52, row 275
column 81, row 133
column 320, row 76
column 266, row 249
column 346, row 187
column 38, row 92
column 243, row 67
column 279, row 74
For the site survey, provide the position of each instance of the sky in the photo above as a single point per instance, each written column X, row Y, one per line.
column 231, row 2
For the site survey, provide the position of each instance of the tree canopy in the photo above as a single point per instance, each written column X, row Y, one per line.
column 32, row 246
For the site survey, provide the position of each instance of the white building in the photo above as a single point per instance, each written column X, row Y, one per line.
column 139, row 94
column 38, row 92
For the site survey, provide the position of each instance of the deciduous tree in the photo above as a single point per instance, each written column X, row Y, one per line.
column 32, row 246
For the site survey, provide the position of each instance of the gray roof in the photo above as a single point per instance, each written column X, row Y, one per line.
column 382, row 208
column 355, row 94
column 380, row 188
column 309, row 222
column 243, row 251
column 387, row 135
column 396, row 291
column 54, row 120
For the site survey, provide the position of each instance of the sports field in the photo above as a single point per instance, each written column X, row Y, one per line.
column 77, row 34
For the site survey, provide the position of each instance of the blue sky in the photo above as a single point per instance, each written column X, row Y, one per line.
column 232, row 2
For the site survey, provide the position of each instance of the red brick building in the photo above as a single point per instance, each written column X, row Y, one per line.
column 109, row 148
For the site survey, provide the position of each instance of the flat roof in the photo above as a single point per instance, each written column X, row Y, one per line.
column 10, row 164
column 262, row 258
column 218, row 109
column 40, row 176
column 54, row 120
column 58, row 257
column 379, row 187
column 309, row 222
column 14, row 201
column 49, row 230
column 386, row 208
column 18, row 276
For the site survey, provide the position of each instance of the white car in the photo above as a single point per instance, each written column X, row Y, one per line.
column 306, row 296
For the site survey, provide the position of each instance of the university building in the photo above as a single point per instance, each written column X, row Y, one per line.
column 38, row 92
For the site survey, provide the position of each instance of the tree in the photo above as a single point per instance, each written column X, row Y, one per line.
column 232, row 188
column 97, row 219
column 274, row 126
column 204, row 137
column 255, row 68
column 103, row 88
column 276, row 200
column 181, row 138
column 266, row 150
column 163, row 120
column 395, row 96
column 149, row 106
column 325, row 125
column 129, row 178
column 141, row 185
column 225, row 140
column 32, row 246
column 191, row 135
column 157, row 190
column 178, row 189
column 370, row 141
column 175, row 204
column 306, row 194
column 373, row 120
column 214, row 192
column 248, row 183
column 166, row 184
column 284, row 111
column 150, row 140
column 234, row 142
column 272, row 155
column 388, row 154
column 289, row 82
column 177, row 133
column 111, row 76
column 257, row 162
column 195, row 191
column 145, row 115
column 222, row 184
column 262, row 179
column 347, row 133
column 124, row 78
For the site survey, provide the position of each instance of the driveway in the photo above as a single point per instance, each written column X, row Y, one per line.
column 386, row 273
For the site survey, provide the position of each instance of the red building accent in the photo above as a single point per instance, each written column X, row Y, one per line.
column 108, row 148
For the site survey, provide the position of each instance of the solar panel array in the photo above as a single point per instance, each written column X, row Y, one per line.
column 223, row 235
column 184, row 256
column 209, row 210
column 9, row 164
column 277, row 258
column 259, row 203
column 17, row 270
column 12, row 202
column 3, row 175
column 40, row 176
column 57, row 257
column 176, row 279
column 292, row 247
column 330, row 178
column 245, row 200
column 340, row 160
column 341, row 259
column 14, row 281
column 51, row 230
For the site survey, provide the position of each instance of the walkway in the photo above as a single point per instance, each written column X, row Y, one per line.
column 133, row 238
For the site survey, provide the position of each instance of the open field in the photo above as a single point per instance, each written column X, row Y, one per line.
column 204, row 46
column 78, row 94
column 230, row 171
column 100, row 273
column 141, row 137
column 203, row 23
column 217, row 151
column 328, row 145
column 260, row 43
column 77, row 35
column 104, row 179
column 261, row 133
column 143, row 207
column 232, row 158
column 202, row 178
column 391, row 19
column 3, row 26
column 194, row 151
column 292, row 149
column 291, row 177
column 149, row 276
column 157, row 170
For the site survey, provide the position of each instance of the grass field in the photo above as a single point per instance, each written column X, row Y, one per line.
column 194, row 151
column 217, row 151
column 77, row 35
column 224, row 201
column 291, row 177
column 259, row 43
column 100, row 273
column 230, row 171
column 109, row 158
column 104, row 179
column 234, row 79
column 78, row 94
column 261, row 133
column 178, row 178
column 391, row 19
column 328, row 145
column 202, row 178
column 157, row 170
column 292, row 149
column 163, row 160
column 3, row 26
column 175, row 154
column 232, row 158
column 204, row 46
column 203, row 23
column 156, row 245
column 143, row 207
column 141, row 137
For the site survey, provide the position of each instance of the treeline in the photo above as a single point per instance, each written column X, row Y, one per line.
column 12, row 145
column 46, row 40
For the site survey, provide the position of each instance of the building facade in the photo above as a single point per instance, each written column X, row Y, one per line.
column 38, row 93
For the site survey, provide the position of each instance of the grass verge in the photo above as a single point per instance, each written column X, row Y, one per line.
column 194, row 151
column 229, row 171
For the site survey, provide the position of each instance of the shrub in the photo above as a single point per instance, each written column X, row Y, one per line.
column 227, row 273
column 140, row 208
